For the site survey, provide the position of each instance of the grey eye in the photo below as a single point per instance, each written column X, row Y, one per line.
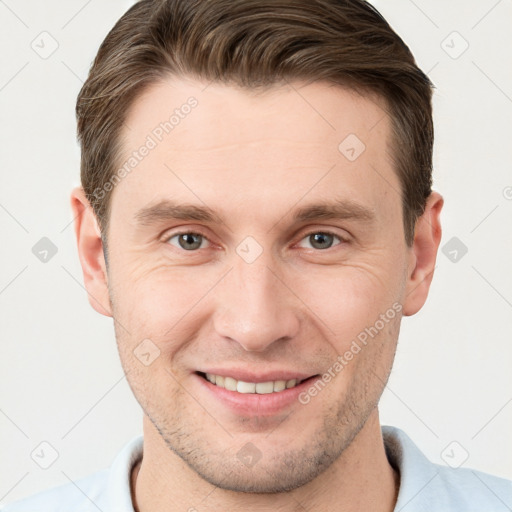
column 320, row 240
column 187, row 241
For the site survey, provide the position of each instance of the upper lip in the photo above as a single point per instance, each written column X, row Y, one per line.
column 255, row 376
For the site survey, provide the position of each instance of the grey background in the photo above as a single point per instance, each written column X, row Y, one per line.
column 61, row 381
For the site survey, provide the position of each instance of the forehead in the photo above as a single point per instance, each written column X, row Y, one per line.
column 295, row 112
column 214, row 142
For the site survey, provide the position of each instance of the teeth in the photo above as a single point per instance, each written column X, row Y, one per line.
column 291, row 383
column 260, row 388
column 245, row 387
column 229, row 383
column 279, row 385
column 263, row 388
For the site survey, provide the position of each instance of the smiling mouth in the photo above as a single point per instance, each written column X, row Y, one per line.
column 260, row 388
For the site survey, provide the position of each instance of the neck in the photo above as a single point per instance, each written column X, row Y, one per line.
column 360, row 479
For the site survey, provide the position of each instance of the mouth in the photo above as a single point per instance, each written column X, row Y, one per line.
column 256, row 388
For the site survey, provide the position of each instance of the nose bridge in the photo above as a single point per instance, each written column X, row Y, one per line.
column 254, row 308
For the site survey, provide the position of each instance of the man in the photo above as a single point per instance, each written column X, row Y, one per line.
column 257, row 216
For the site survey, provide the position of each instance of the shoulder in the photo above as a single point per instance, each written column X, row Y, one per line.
column 107, row 490
column 425, row 485
column 473, row 490
column 80, row 496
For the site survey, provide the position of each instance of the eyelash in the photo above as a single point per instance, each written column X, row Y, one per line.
column 306, row 235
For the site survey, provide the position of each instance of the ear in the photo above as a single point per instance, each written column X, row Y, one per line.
column 90, row 252
column 422, row 255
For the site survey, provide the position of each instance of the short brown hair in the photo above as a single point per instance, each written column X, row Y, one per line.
column 256, row 44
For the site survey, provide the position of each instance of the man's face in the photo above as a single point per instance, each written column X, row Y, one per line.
column 268, row 289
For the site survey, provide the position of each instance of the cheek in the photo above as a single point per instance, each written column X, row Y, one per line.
column 158, row 302
column 347, row 299
column 166, row 303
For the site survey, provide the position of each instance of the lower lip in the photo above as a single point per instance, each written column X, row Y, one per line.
column 254, row 404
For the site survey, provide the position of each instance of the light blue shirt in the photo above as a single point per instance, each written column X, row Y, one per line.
column 424, row 486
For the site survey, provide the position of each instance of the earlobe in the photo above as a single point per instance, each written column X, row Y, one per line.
column 90, row 252
column 423, row 253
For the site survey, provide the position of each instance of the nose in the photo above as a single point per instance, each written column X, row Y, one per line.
column 254, row 307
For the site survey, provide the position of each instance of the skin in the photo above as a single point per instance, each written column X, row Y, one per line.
column 254, row 159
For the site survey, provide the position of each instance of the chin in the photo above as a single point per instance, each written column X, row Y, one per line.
column 263, row 478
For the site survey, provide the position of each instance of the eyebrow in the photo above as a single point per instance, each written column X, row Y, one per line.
column 337, row 209
column 167, row 210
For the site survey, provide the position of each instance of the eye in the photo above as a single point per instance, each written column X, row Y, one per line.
column 321, row 240
column 187, row 241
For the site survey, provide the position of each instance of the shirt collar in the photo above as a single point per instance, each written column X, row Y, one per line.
column 416, row 471
column 119, row 481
